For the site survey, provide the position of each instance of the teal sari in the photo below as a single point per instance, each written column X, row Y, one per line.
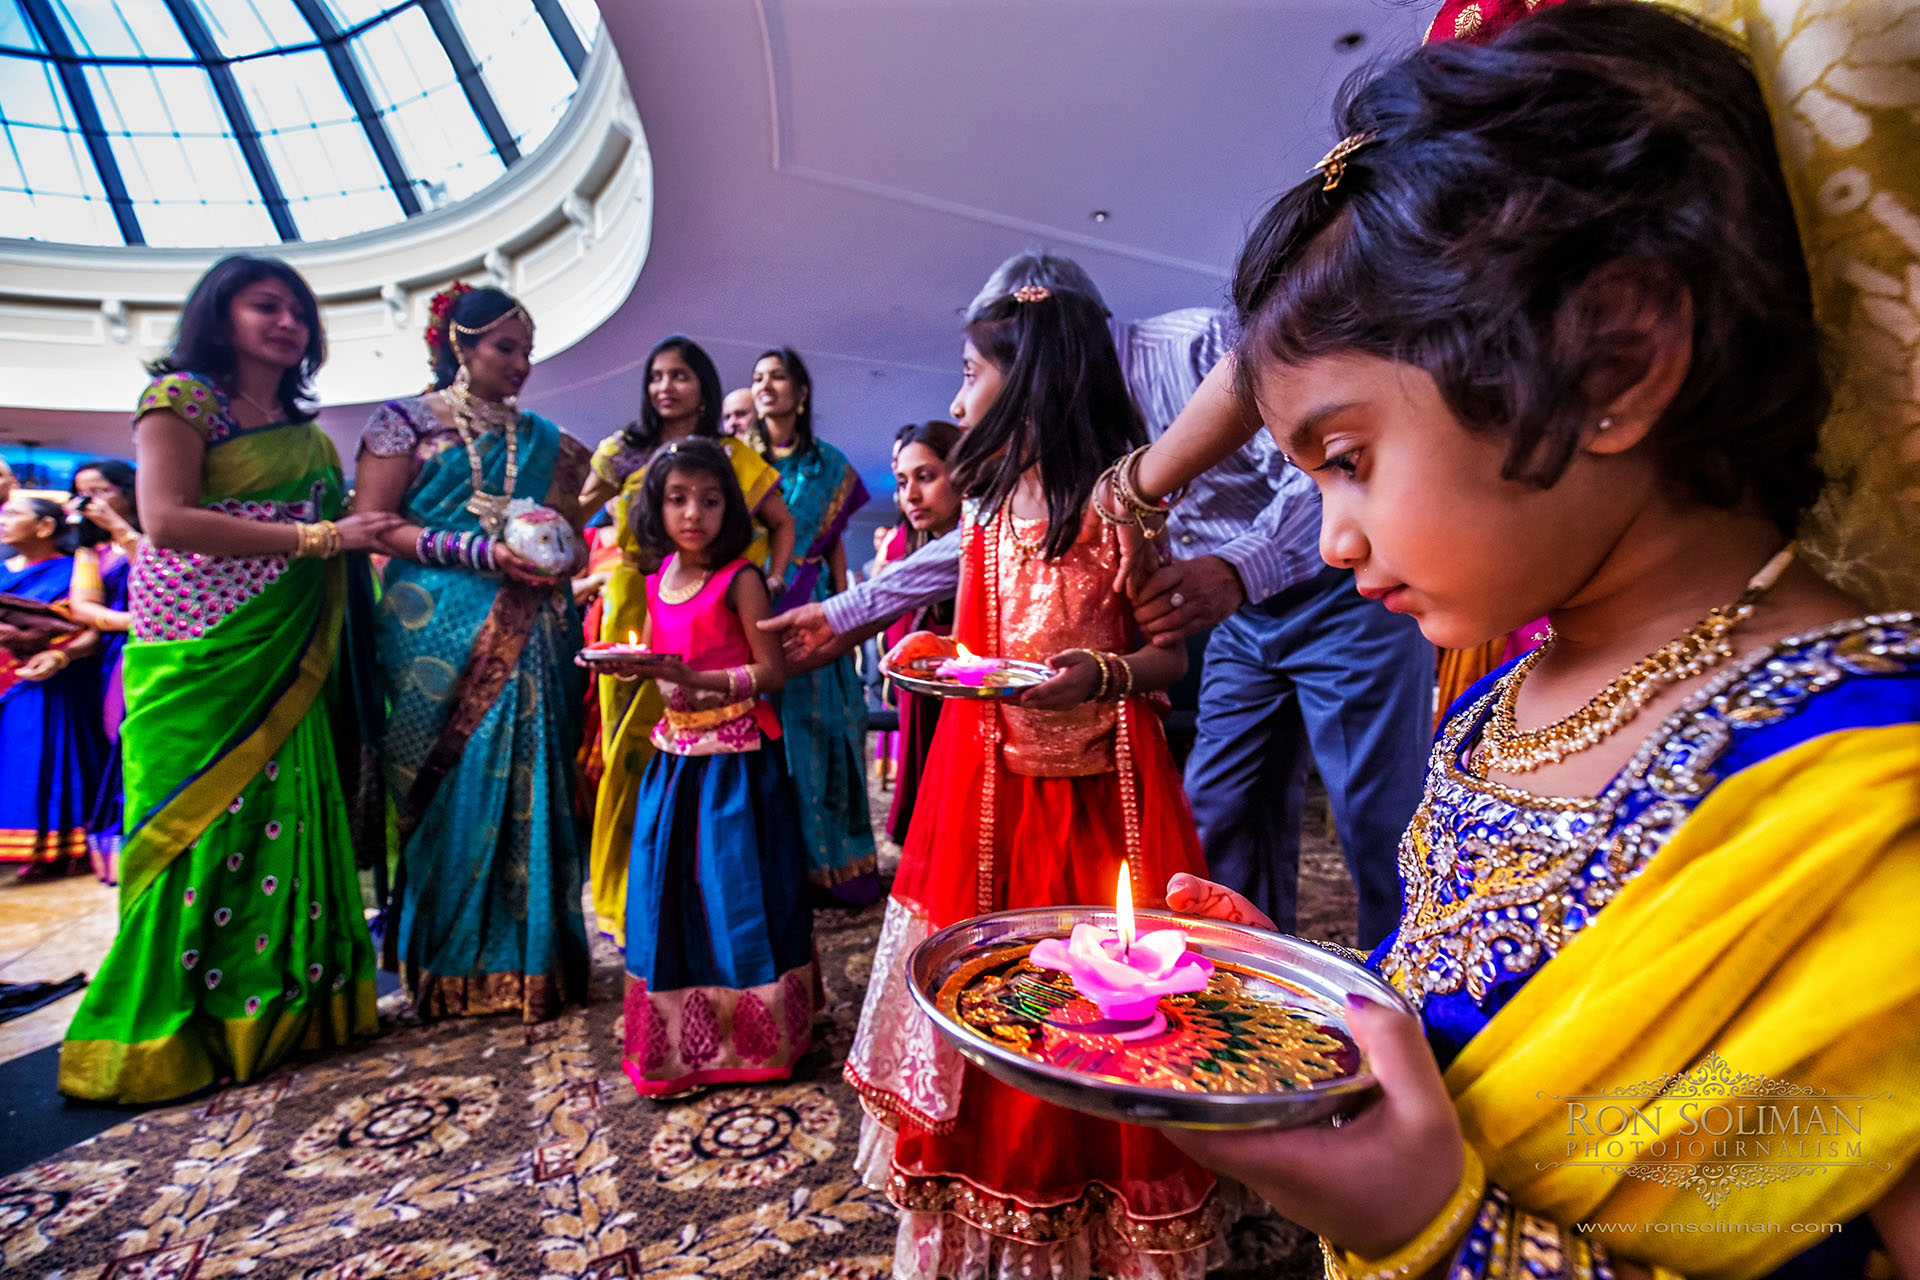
column 823, row 713
column 484, row 715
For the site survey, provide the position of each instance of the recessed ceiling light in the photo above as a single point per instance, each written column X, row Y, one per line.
column 1100, row 215
column 1349, row 42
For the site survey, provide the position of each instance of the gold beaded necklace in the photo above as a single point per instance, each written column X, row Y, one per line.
column 1506, row 748
column 680, row 595
column 491, row 508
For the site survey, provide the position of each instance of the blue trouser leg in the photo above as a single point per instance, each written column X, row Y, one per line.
column 1246, row 776
column 1364, row 679
column 1316, row 668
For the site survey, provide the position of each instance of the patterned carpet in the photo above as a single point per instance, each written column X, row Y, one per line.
column 482, row 1148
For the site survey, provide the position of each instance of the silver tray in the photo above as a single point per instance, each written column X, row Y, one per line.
column 600, row 657
column 1286, row 971
column 1017, row 674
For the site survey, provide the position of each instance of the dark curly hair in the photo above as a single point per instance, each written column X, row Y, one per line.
column 1503, row 178
column 702, row 457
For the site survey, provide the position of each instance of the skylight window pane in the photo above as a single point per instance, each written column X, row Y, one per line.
column 351, row 13
column 241, row 27
column 157, row 100
column 109, row 29
column 327, row 217
column 15, row 31
column 521, row 64
column 440, row 141
column 30, row 93
column 52, row 162
column 65, row 219
column 214, row 224
column 586, row 19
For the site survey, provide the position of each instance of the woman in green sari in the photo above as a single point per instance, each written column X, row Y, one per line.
column 476, row 649
column 241, row 929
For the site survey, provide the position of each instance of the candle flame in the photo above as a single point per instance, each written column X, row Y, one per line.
column 965, row 652
column 1124, row 897
column 633, row 638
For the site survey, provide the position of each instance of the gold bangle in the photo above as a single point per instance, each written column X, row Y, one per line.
column 302, row 544
column 66, row 659
column 1126, row 670
column 331, row 536
column 1431, row 1246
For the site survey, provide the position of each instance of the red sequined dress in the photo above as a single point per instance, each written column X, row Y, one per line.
column 1022, row 808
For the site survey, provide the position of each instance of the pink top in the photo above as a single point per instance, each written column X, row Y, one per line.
column 709, row 637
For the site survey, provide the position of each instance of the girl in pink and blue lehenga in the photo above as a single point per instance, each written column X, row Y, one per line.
column 721, row 980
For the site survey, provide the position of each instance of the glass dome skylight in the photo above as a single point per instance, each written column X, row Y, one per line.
column 238, row 122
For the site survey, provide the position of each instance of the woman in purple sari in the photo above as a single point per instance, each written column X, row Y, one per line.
column 109, row 532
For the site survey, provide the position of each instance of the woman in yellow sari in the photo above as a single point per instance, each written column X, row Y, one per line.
column 683, row 399
column 1542, row 329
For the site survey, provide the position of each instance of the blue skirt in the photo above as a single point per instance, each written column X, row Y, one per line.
column 721, row 980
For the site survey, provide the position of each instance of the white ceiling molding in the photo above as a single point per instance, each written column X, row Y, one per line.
column 567, row 230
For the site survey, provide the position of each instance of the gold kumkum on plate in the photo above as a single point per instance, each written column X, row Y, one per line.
column 1264, row 1045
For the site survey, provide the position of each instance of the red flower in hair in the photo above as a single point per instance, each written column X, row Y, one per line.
column 438, row 309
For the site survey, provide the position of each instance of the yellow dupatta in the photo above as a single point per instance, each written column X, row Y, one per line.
column 1776, row 930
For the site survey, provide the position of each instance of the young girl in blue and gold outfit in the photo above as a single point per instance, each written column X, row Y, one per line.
column 1543, row 332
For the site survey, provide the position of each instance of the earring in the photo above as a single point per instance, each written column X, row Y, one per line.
column 461, row 380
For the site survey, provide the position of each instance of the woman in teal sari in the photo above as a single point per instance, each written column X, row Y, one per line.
column 241, row 929
column 822, row 712
column 476, row 650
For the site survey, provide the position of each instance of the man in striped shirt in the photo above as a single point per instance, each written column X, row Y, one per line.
column 1295, row 660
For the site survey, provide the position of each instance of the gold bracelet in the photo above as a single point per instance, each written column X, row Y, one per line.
column 1129, row 489
column 1434, row 1242
column 1126, row 670
column 302, row 542
column 331, row 534
column 1099, row 660
column 66, row 659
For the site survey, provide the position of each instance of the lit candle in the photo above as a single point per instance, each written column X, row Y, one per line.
column 631, row 647
column 967, row 668
column 1121, row 974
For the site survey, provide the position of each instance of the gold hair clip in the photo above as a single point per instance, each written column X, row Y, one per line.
column 1032, row 293
column 1334, row 163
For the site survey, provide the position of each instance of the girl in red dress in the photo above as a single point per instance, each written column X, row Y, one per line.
column 1028, row 803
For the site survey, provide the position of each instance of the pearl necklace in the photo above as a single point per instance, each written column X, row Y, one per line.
column 491, row 508
column 1507, row 748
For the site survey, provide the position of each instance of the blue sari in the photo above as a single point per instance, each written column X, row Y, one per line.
column 52, row 749
column 1730, row 912
column 823, row 712
column 484, row 715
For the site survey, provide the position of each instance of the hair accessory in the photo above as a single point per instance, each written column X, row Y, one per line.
column 1032, row 293
column 515, row 312
column 1334, row 163
column 438, row 310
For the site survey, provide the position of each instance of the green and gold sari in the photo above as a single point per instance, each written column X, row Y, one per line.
column 241, row 928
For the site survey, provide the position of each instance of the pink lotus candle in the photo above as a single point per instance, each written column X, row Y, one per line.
column 967, row 668
column 632, row 647
column 1121, row 975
